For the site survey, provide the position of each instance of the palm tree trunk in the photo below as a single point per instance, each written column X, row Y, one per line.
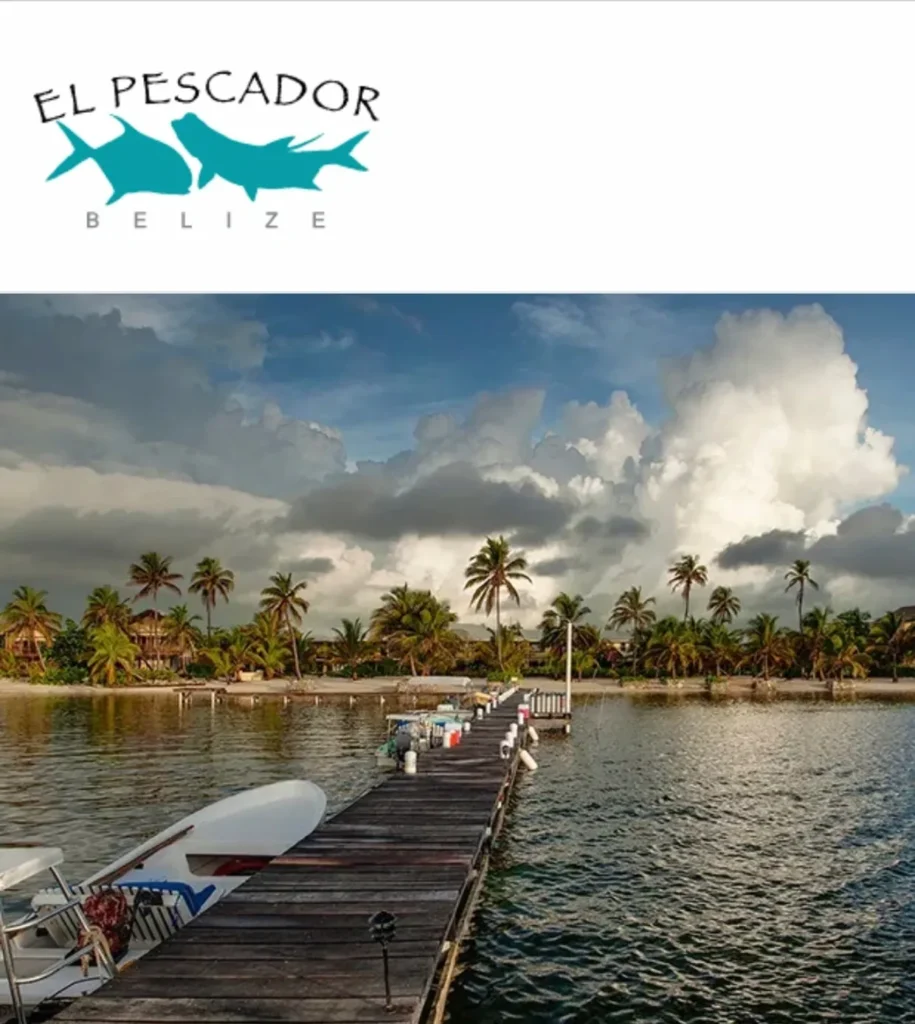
column 295, row 646
column 686, row 600
column 206, row 604
column 635, row 654
column 800, row 608
column 40, row 655
column 156, row 629
column 895, row 671
column 499, row 629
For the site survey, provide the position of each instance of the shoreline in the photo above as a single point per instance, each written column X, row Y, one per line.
column 387, row 686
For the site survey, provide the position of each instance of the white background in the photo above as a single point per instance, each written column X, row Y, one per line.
column 520, row 147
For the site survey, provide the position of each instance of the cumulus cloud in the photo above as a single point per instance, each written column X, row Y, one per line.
column 121, row 431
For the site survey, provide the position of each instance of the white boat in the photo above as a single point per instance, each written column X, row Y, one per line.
column 166, row 882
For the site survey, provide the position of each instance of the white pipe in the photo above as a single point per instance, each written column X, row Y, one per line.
column 568, row 707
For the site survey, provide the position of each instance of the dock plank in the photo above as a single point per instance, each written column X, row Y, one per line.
column 292, row 944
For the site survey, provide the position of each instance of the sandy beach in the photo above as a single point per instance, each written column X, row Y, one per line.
column 392, row 686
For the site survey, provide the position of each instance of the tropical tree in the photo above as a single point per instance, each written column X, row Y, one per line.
column 798, row 575
column 767, row 646
column 724, row 605
column 283, row 598
column 719, row 647
column 427, row 637
column 672, row 647
column 818, row 626
column 842, row 655
column 554, row 625
column 890, row 636
column 351, row 646
column 211, row 580
column 150, row 574
column 494, row 568
column 510, row 650
column 270, row 654
column 632, row 611
column 105, row 605
column 28, row 614
column 399, row 608
column 112, row 652
column 181, row 633
column 856, row 624
column 686, row 573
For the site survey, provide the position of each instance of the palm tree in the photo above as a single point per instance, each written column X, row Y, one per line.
column 112, row 652
column 890, row 635
column 818, row 627
column 283, row 599
column 843, row 654
column 672, row 647
column 271, row 654
column 399, row 607
column 724, row 605
column 767, row 645
column 562, row 611
column 719, row 646
column 798, row 575
column 151, row 574
column 685, row 574
column 427, row 638
column 494, row 568
column 28, row 614
column 351, row 645
column 632, row 610
column 211, row 580
column 515, row 650
column 181, row 633
column 103, row 605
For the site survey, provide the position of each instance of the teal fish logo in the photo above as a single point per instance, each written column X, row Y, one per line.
column 276, row 165
column 132, row 162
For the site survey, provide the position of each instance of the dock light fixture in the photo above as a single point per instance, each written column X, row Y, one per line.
column 382, row 928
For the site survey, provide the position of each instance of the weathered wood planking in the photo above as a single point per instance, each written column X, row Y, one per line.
column 292, row 944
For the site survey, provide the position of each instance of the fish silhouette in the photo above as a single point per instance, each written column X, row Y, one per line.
column 278, row 164
column 132, row 162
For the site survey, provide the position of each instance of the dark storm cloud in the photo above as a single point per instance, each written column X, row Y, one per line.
column 68, row 554
column 616, row 528
column 313, row 566
column 128, row 397
column 867, row 543
column 776, row 547
column 555, row 566
column 452, row 500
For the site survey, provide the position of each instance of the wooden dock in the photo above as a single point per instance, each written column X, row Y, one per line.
column 293, row 943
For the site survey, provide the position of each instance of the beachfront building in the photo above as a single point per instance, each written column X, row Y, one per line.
column 148, row 633
column 23, row 643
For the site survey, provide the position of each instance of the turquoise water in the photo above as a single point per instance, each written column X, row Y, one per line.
column 674, row 861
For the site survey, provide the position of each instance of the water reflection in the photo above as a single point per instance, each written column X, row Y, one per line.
column 96, row 775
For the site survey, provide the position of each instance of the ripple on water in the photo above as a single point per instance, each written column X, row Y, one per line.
column 700, row 862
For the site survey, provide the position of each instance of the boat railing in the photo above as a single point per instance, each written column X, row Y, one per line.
column 18, row 863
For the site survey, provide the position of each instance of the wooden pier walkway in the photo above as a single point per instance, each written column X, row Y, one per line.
column 292, row 944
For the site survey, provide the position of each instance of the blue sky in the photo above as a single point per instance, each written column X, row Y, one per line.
column 371, row 366
column 121, row 433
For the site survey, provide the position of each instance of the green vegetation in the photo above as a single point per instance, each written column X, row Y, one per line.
column 413, row 631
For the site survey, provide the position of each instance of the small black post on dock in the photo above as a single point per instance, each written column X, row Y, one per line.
column 382, row 927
